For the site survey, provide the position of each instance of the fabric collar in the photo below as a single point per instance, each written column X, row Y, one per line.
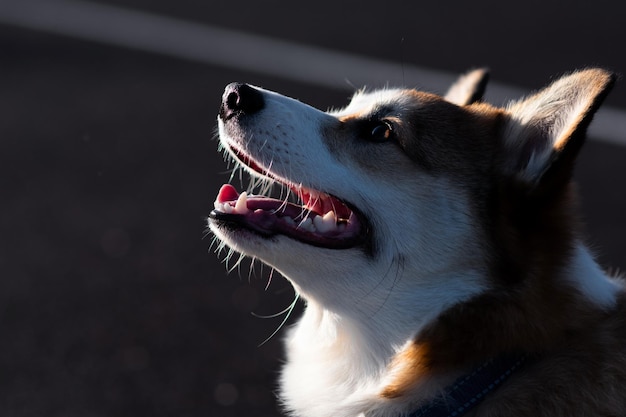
column 469, row 390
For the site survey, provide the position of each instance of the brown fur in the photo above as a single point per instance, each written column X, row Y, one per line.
column 530, row 227
column 506, row 175
column 423, row 130
column 583, row 375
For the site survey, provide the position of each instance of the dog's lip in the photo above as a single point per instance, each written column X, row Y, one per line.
column 321, row 220
column 340, row 228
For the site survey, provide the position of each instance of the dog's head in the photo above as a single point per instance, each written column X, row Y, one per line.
column 402, row 192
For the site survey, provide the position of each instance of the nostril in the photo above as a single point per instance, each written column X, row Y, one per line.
column 239, row 99
column 232, row 100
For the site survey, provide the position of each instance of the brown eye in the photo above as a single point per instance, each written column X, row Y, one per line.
column 381, row 132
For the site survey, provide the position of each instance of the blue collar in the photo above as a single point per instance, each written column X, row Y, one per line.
column 469, row 390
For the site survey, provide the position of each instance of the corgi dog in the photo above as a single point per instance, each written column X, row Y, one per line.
column 436, row 243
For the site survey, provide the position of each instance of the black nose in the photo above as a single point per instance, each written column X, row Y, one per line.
column 240, row 99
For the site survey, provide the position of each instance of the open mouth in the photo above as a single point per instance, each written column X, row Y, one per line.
column 318, row 219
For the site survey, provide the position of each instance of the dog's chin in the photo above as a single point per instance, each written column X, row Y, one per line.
column 243, row 240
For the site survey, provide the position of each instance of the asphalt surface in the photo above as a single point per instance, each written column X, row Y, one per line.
column 111, row 303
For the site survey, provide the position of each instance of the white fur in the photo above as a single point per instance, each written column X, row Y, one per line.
column 553, row 112
column 362, row 310
column 353, row 324
column 586, row 275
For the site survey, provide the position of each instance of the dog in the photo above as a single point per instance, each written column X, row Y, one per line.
column 436, row 243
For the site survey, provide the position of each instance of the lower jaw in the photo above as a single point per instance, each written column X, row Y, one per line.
column 233, row 225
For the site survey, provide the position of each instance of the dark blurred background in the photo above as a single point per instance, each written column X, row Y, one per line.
column 111, row 303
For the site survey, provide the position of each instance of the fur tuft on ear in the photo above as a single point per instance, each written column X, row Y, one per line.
column 545, row 131
column 468, row 88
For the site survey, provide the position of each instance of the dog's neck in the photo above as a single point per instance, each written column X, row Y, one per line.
column 338, row 361
column 341, row 363
column 332, row 364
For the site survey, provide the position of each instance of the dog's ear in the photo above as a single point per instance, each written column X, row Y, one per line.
column 545, row 131
column 468, row 88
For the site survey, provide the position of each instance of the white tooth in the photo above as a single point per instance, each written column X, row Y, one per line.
column 318, row 221
column 325, row 223
column 241, row 206
column 307, row 224
column 289, row 220
column 227, row 208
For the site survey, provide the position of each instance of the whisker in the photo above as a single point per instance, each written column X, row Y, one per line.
column 287, row 312
column 399, row 266
column 269, row 279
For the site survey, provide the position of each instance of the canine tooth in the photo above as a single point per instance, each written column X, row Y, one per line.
column 325, row 223
column 241, row 206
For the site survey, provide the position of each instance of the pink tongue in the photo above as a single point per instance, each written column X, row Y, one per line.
column 227, row 193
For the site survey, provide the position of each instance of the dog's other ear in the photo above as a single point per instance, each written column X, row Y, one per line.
column 468, row 88
column 545, row 131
